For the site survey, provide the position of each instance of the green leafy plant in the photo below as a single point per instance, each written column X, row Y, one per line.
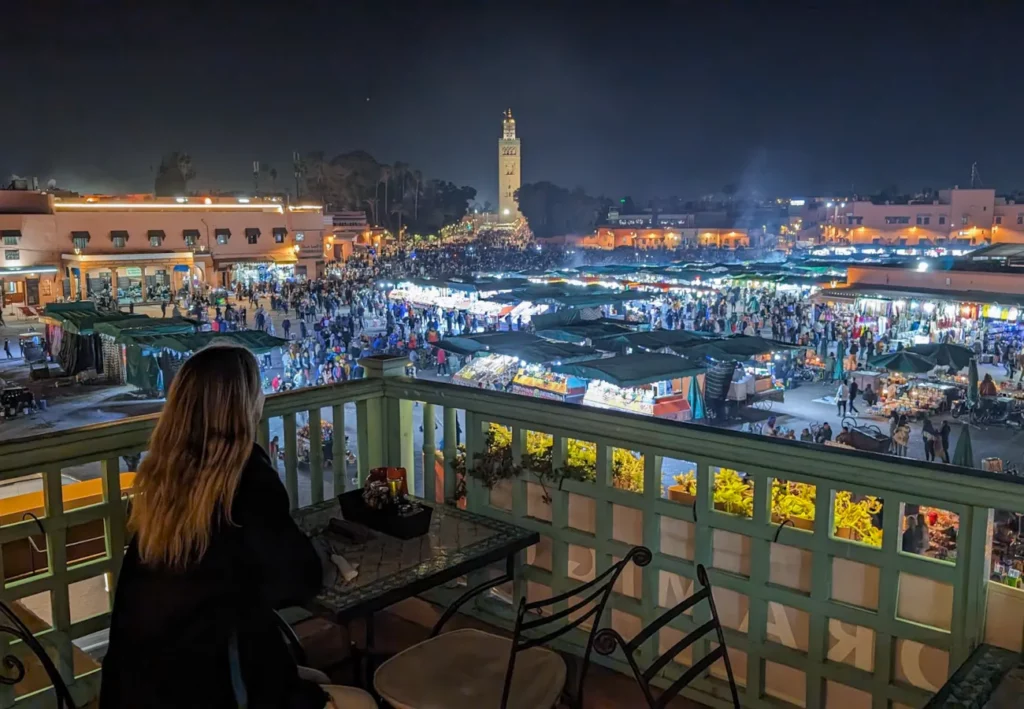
column 858, row 517
column 733, row 494
column 687, row 481
column 792, row 500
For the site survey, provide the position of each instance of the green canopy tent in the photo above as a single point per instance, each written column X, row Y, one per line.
column 462, row 346
column 120, row 330
column 964, row 453
column 545, row 352
column 696, row 399
column 649, row 340
column 947, row 355
column 903, row 361
column 583, row 332
column 634, row 369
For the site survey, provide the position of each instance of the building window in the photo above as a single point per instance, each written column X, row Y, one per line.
column 155, row 241
column 923, row 219
column 999, row 220
column 10, row 241
column 222, row 235
column 191, row 237
column 252, row 235
column 942, row 219
column 119, row 238
column 80, row 242
column 897, row 220
column 156, row 237
column 12, row 255
column 1020, row 217
column 850, row 219
column 963, row 220
column 279, row 234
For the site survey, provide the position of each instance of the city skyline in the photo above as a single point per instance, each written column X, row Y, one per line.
column 695, row 99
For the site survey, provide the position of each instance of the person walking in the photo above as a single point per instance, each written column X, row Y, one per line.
column 286, row 325
column 842, row 394
column 854, row 389
column 442, row 362
column 7, row 348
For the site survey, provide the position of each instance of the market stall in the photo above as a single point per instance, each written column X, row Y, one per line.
column 659, row 385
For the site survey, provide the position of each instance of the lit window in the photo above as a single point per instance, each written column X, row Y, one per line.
column 279, row 234
column 119, row 242
column 12, row 255
column 252, row 235
column 963, row 220
column 156, row 237
column 10, row 241
column 191, row 237
column 222, row 235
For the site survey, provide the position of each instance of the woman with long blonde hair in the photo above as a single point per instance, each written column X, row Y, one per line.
column 214, row 551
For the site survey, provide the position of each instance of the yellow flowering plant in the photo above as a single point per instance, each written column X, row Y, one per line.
column 857, row 516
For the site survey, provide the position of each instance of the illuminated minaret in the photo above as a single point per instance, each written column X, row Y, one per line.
column 509, row 176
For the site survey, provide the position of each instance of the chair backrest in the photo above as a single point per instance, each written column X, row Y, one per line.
column 594, row 593
column 13, row 625
column 607, row 639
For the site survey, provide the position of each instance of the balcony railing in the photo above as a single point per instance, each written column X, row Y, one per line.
column 815, row 618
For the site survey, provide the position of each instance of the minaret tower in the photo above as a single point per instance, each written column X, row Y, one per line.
column 509, row 175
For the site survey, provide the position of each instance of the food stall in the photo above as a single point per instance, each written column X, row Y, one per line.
column 541, row 383
column 489, row 371
column 651, row 384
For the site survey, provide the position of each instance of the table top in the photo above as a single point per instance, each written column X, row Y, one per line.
column 392, row 569
column 991, row 678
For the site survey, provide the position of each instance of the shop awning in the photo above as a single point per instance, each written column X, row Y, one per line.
column 156, row 232
column 462, row 346
column 737, row 346
column 633, row 370
column 10, row 233
column 254, row 340
column 83, row 322
column 583, row 331
column 27, row 270
column 190, row 233
column 76, row 235
column 123, row 330
column 652, row 340
column 545, row 352
column 924, row 294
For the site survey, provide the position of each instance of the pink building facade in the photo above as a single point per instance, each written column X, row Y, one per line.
column 958, row 217
column 57, row 248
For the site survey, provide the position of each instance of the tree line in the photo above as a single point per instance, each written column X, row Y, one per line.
column 392, row 196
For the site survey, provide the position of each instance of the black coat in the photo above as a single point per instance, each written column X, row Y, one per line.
column 170, row 631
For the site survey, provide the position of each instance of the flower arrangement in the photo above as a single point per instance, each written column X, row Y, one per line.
column 854, row 519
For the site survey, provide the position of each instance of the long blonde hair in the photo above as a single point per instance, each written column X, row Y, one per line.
column 186, row 483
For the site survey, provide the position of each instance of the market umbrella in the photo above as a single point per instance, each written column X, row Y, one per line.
column 840, row 355
column 696, row 399
column 972, row 381
column 905, row 362
column 946, row 354
column 964, row 453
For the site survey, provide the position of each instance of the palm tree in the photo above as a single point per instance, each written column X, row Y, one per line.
column 385, row 177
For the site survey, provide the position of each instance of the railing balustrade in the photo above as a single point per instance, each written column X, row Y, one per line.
column 823, row 607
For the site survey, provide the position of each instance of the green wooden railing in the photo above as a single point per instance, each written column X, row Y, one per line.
column 812, row 619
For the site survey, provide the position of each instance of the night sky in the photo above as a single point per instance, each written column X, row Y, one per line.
column 632, row 98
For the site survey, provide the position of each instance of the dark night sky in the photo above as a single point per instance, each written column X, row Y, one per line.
column 645, row 99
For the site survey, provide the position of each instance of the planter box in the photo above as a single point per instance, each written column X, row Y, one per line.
column 846, row 533
column 798, row 522
column 678, row 493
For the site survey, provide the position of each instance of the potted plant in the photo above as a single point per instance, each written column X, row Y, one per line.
column 794, row 502
column 854, row 519
column 733, row 494
column 685, row 489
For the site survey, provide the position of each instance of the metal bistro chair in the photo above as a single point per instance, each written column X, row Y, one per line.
column 472, row 669
column 607, row 639
column 12, row 625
